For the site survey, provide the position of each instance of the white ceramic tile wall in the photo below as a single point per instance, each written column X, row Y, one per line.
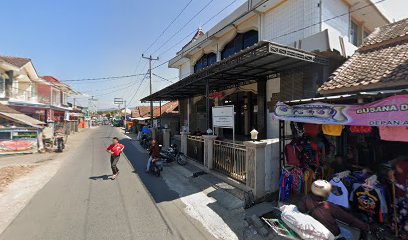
column 340, row 25
column 292, row 21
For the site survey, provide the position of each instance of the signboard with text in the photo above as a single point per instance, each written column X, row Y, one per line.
column 390, row 111
column 223, row 117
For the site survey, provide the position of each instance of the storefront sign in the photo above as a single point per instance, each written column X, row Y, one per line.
column 391, row 111
column 223, row 117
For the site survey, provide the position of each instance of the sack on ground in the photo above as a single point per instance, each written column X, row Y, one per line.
column 304, row 225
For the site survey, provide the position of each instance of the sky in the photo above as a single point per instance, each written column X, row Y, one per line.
column 77, row 39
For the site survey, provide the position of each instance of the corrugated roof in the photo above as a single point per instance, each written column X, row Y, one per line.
column 17, row 116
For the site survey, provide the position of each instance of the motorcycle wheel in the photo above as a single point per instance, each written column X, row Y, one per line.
column 181, row 159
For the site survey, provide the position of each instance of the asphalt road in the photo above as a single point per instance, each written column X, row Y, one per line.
column 80, row 202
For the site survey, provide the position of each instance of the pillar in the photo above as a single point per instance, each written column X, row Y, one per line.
column 208, row 150
column 261, row 102
column 9, row 84
column 166, row 138
column 183, row 147
column 255, row 167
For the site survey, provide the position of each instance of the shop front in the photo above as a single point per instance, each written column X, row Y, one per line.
column 353, row 141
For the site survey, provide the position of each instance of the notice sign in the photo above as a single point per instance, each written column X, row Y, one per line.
column 223, row 117
column 391, row 111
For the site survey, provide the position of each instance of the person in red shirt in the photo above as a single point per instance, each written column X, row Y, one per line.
column 115, row 149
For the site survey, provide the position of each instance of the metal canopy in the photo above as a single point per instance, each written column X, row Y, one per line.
column 247, row 66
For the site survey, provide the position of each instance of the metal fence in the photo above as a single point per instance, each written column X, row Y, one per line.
column 230, row 159
column 195, row 148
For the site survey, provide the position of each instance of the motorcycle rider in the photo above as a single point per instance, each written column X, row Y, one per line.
column 154, row 152
column 326, row 213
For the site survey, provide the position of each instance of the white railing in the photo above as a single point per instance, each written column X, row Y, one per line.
column 230, row 159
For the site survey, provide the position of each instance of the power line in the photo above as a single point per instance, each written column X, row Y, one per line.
column 168, row 26
column 209, row 20
column 165, row 79
column 178, row 31
column 102, row 78
column 303, row 28
column 137, row 90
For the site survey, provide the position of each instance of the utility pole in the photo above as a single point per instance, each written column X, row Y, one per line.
column 150, row 75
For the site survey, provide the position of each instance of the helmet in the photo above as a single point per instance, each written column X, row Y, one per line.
column 321, row 188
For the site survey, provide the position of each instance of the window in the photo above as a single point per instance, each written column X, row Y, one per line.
column 205, row 61
column 241, row 41
column 2, row 87
column 365, row 34
column 354, row 34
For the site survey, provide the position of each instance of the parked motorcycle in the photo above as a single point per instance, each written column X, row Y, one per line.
column 60, row 143
column 172, row 154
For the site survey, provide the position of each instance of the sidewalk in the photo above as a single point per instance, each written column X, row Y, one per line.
column 217, row 205
column 21, row 176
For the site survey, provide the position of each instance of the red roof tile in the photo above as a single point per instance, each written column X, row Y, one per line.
column 381, row 63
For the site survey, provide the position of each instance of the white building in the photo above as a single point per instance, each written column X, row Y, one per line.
column 263, row 52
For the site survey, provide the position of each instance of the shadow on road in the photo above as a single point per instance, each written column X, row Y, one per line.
column 226, row 206
column 102, row 177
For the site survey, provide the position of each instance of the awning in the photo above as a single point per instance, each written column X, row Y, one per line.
column 22, row 118
column 252, row 64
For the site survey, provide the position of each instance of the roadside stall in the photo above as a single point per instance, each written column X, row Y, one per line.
column 19, row 133
column 353, row 141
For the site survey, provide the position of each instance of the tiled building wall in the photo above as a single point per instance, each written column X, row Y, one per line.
column 283, row 24
column 185, row 70
column 332, row 9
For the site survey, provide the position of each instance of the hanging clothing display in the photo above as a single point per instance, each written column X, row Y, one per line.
column 360, row 129
column 395, row 134
column 311, row 130
column 332, row 130
column 369, row 200
column 285, row 184
column 339, row 194
column 292, row 153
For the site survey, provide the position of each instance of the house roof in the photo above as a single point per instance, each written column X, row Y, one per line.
column 380, row 63
column 16, row 116
column 166, row 109
column 57, row 83
column 16, row 61
column 387, row 32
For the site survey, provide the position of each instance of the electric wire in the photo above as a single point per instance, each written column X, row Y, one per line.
column 168, row 26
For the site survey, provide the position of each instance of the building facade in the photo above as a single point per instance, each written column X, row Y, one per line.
column 329, row 29
column 43, row 98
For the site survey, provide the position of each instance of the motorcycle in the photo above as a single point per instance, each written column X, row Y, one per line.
column 145, row 141
column 156, row 167
column 60, row 143
column 172, row 154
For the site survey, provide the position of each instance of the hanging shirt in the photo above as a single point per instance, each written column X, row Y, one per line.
column 292, row 151
column 395, row 134
column 360, row 129
column 368, row 201
column 285, row 186
column 309, row 176
column 332, row 130
column 339, row 194
column 297, row 175
column 311, row 130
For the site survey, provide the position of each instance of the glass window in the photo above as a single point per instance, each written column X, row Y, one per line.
column 354, row 39
column 250, row 38
column 241, row 41
column 205, row 61
column 5, row 135
column 2, row 87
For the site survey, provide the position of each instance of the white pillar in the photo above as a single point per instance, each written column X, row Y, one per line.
column 208, row 150
column 166, row 138
column 183, row 147
column 255, row 167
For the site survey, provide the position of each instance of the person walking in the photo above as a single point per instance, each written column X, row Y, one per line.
column 115, row 149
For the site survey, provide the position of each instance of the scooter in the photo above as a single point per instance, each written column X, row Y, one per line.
column 156, row 167
column 60, row 143
column 145, row 141
column 172, row 154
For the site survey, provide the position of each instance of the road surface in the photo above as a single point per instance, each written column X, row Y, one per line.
column 80, row 202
